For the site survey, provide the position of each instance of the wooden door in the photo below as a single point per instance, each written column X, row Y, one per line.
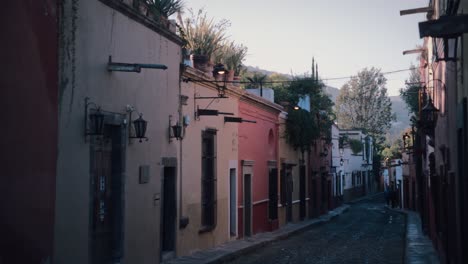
column 169, row 210
column 247, row 205
column 106, row 185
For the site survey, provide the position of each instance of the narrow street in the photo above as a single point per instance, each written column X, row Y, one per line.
column 366, row 233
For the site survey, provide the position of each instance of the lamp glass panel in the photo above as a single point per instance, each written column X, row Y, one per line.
column 140, row 127
column 97, row 123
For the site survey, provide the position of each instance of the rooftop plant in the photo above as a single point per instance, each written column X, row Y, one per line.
column 232, row 55
column 202, row 35
column 164, row 8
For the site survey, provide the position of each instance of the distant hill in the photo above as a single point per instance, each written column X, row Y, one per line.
column 266, row 72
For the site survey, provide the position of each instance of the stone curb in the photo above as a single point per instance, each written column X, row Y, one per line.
column 416, row 242
column 232, row 250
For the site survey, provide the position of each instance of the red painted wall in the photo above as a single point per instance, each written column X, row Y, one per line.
column 256, row 143
column 29, row 89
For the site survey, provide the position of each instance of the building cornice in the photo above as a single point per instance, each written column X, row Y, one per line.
column 207, row 81
column 261, row 102
column 132, row 13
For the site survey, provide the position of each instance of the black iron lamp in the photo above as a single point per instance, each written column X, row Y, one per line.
column 177, row 131
column 140, row 128
column 219, row 69
column 429, row 115
column 341, row 162
column 96, row 119
column 406, row 142
column 448, row 44
column 139, row 125
column 97, row 122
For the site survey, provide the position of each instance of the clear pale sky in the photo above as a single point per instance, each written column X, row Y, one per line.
column 344, row 36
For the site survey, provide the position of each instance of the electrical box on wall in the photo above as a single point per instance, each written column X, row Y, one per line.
column 144, row 174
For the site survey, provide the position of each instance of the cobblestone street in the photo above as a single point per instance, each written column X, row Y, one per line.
column 367, row 233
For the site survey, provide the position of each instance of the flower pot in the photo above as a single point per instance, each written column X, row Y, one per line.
column 230, row 75
column 202, row 63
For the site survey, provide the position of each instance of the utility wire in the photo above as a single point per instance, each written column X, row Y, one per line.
column 291, row 81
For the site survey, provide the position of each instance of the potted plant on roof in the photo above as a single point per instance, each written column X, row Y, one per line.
column 203, row 37
column 235, row 56
column 161, row 10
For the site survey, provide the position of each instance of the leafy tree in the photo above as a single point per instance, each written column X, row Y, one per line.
column 409, row 94
column 363, row 103
column 304, row 127
column 257, row 80
column 301, row 129
column 393, row 151
column 355, row 145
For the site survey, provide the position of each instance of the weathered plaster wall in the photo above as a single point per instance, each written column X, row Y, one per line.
column 90, row 32
column 258, row 142
column 289, row 155
column 189, row 239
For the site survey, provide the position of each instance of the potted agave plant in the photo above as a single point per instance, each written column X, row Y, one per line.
column 231, row 55
column 161, row 10
column 235, row 59
column 203, row 38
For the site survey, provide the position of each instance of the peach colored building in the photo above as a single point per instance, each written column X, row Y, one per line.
column 209, row 162
column 294, row 183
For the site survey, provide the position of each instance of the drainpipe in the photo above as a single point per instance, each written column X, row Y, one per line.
column 183, row 221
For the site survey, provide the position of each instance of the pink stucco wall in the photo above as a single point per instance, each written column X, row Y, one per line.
column 259, row 143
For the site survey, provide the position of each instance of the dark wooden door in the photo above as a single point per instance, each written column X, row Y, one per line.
column 273, row 194
column 302, row 192
column 106, row 184
column 289, row 199
column 247, row 205
column 169, row 209
column 102, row 224
column 232, row 202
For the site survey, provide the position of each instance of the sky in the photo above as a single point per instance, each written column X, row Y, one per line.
column 344, row 36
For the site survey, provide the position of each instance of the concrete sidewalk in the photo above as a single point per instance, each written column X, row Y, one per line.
column 234, row 249
column 419, row 248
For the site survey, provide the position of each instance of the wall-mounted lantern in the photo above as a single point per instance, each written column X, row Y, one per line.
column 448, row 28
column 219, row 69
column 139, row 125
column 220, row 72
column 407, row 142
column 429, row 114
column 341, row 162
column 175, row 131
column 449, row 47
column 95, row 126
